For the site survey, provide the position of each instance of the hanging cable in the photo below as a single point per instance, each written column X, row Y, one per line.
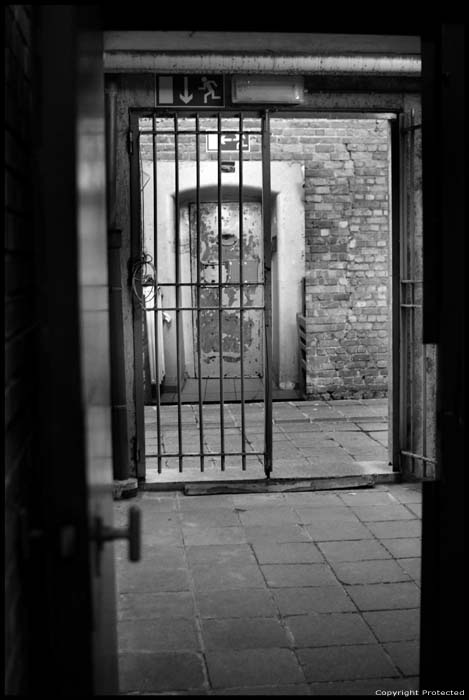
column 144, row 271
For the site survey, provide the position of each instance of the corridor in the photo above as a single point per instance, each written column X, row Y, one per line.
column 303, row 593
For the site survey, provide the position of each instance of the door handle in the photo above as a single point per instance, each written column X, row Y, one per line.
column 103, row 533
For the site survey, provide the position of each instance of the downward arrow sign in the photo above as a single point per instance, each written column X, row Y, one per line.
column 186, row 97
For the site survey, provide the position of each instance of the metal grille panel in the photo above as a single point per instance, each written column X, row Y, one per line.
column 201, row 285
column 418, row 361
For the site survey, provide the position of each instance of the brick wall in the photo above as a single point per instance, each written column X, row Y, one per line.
column 347, row 242
column 347, row 260
column 20, row 329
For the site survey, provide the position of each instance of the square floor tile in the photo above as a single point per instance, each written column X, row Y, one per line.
column 147, row 606
column 405, row 656
column 326, row 531
column 230, row 554
column 297, row 575
column 163, row 634
column 212, row 517
column 267, row 515
column 367, row 497
column 325, row 515
column 299, row 689
column 385, row 596
column 393, row 529
column 245, row 602
column 411, row 566
column 355, row 550
column 253, row 667
column 276, row 533
column 382, row 571
column 329, row 629
column 219, row 576
column 160, row 672
column 300, row 601
column 213, row 535
column 394, row 625
column 287, row 552
column 401, row 547
column 244, row 633
column 346, row 663
column 148, row 577
column 205, row 502
column 380, row 513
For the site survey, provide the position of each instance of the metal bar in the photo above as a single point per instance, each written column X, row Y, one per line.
column 416, row 456
column 197, row 255
column 212, row 308
column 411, row 306
column 266, row 215
column 156, row 312
column 241, row 291
column 211, row 454
column 220, row 312
column 411, row 244
column 208, row 285
column 424, row 404
column 281, row 112
column 395, row 294
column 136, row 249
column 401, row 356
column 120, row 436
column 178, row 289
column 201, row 132
column 431, row 192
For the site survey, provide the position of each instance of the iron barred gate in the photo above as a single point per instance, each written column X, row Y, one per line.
column 201, row 280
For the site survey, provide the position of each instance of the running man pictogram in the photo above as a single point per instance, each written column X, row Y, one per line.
column 209, row 86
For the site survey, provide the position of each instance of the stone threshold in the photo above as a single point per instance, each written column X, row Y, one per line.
column 285, row 485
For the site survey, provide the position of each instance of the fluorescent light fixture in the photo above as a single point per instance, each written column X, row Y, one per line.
column 286, row 89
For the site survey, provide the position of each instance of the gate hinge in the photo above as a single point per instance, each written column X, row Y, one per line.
column 412, row 127
column 130, row 141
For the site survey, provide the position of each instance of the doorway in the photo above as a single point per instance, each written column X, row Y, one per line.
column 322, row 332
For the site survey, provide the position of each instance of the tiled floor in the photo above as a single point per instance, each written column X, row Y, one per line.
column 310, row 439
column 306, row 593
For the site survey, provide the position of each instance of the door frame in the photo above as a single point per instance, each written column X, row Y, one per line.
column 395, row 211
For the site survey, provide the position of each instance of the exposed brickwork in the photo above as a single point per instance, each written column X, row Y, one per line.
column 347, row 261
column 20, row 328
column 347, row 241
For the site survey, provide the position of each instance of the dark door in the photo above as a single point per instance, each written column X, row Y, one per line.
column 73, row 630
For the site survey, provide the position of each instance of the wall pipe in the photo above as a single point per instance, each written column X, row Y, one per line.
column 174, row 62
column 120, row 439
